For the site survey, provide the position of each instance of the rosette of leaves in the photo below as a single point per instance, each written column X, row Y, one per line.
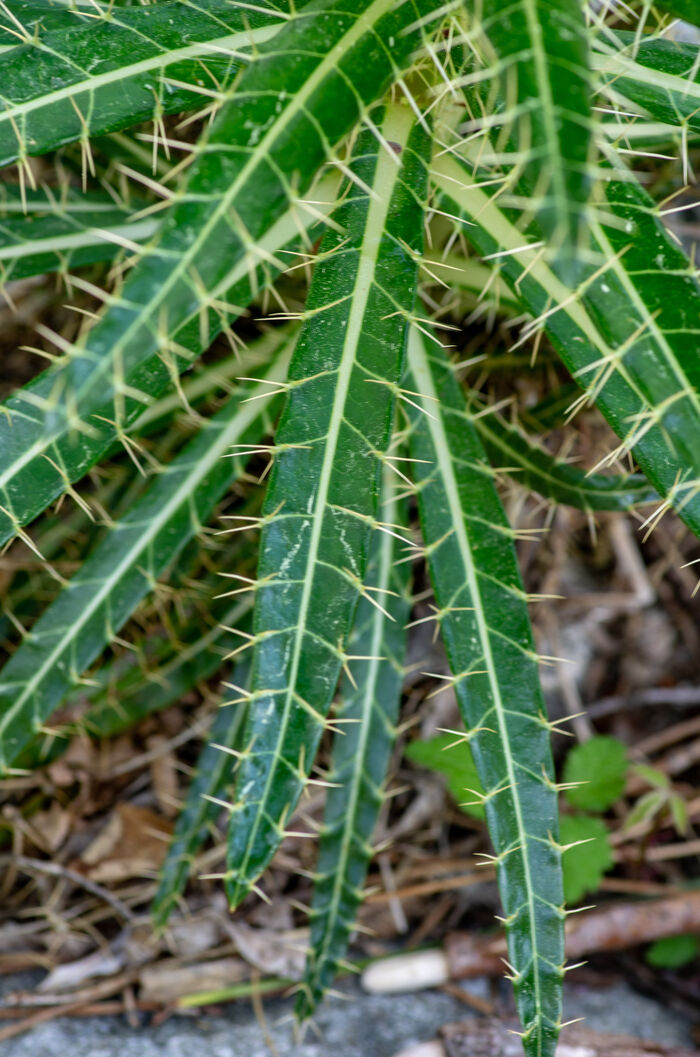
column 369, row 143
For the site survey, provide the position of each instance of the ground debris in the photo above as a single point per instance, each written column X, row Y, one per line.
column 497, row 1039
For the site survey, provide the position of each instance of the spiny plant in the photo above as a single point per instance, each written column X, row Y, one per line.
column 380, row 147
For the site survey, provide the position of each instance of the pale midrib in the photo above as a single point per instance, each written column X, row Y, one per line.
column 243, row 38
column 368, row 703
column 297, row 105
column 59, row 209
column 422, row 373
column 469, row 275
column 55, row 243
column 246, row 415
column 224, row 371
column 644, row 75
column 386, row 176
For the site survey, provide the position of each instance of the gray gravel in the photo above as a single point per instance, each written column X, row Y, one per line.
column 365, row 1026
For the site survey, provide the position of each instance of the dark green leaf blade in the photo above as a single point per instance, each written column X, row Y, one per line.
column 544, row 86
column 661, row 77
column 122, row 695
column 121, row 67
column 534, row 467
column 323, row 490
column 124, row 567
column 51, row 230
column 30, row 482
column 361, row 751
column 688, row 10
column 628, row 336
column 485, row 625
column 202, row 805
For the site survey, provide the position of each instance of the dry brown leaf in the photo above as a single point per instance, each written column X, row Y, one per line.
column 190, row 936
column 133, row 843
column 169, row 980
column 276, row 915
column 274, row 953
column 51, row 827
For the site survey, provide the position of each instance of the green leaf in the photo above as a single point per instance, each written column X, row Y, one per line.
column 601, row 764
column 652, row 775
column 686, row 9
column 127, row 690
column 482, row 610
column 679, row 813
column 451, row 757
column 203, row 803
column 646, row 808
column 550, row 412
column 124, row 566
column 21, row 20
column 242, row 203
column 673, row 952
column 125, row 697
column 628, row 336
column 660, row 77
column 544, row 87
column 34, row 470
column 125, row 66
column 532, row 466
column 585, row 864
column 53, row 230
column 322, row 496
column 362, row 748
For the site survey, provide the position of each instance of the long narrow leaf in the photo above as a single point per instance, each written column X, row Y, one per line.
column 544, row 85
column 628, row 337
column 475, row 278
column 685, row 9
column 23, row 20
column 203, row 803
column 130, row 65
column 46, row 232
column 323, row 490
column 534, row 467
column 486, row 629
column 125, row 691
column 124, row 567
column 661, row 77
column 361, row 752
